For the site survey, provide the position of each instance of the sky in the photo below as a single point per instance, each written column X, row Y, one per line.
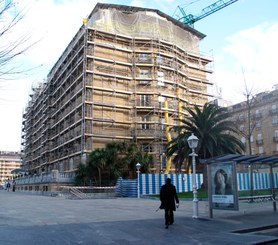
column 242, row 39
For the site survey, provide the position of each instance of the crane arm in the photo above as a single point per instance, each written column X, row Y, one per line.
column 191, row 19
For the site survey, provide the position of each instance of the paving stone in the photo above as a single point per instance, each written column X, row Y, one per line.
column 33, row 219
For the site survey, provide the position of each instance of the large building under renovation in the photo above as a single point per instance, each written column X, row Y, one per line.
column 126, row 75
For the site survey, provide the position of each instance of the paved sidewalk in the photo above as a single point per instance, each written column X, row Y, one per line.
column 30, row 219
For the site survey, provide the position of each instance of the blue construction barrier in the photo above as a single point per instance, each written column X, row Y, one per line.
column 151, row 183
column 126, row 187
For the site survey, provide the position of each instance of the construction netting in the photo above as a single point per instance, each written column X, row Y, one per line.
column 145, row 24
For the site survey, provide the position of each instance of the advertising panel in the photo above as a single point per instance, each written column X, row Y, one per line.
column 222, row 187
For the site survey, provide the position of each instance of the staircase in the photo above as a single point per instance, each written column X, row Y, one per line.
column 77, row 194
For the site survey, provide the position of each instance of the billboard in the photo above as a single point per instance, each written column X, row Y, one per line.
column 222, row 186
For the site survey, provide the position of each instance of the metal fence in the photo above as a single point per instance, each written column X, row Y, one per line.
column 51, row 177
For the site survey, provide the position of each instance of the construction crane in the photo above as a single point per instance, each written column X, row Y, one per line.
column 190, row 19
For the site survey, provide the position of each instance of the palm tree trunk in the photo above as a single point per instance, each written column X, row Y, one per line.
column 205, row 172
column 99, row 177
column 205, row 176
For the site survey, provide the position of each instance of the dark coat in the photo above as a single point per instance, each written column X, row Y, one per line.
column 168, row 195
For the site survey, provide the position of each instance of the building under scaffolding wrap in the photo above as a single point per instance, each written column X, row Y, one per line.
column 126, row 75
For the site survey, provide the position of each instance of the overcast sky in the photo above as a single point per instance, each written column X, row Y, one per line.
column 242, row 38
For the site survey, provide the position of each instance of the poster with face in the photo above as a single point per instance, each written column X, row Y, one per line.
column 222, row 186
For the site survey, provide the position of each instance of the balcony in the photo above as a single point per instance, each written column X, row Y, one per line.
column 259, row 142
column 275, row 153
column 256, row 116
column 241, row 119
column 273, row 112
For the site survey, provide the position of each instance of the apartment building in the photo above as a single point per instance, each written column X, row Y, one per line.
column 260, row 118
column 9, row 160
column 126, row 75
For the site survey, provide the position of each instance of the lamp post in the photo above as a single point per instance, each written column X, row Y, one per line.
column 138, row 165
column 193, row 143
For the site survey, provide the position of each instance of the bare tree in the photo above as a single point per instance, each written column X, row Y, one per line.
column 248, row 93
column 12, row 42
column 252, row 118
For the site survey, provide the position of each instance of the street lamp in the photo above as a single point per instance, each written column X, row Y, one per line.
column 138, row 165
column 193, row 143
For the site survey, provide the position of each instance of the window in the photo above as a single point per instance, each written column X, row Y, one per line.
column 251, row 138
column 257, row 114
column 273, row 109
column 241, row 118
column 243, row 140
column 71, row 164
column 145, row 125
column 275, row 136
column 161, row 100
column 144, row 82
column 143, row 57
column 163, row 148
column 259, row 139
column 159, row 60
column 261, row 150
column 175, row 104
column 276, row 147
column 145, row 100
column 160, row 78
column 275, row 120
column 162, row 123
column 144, row 73
column 258, row 124
column 241, row 128
column 61, row 167
column 146, row 147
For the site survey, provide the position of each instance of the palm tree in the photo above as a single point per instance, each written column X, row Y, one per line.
column 216, row 133
column 81, row 174
column 117, row 159
column 144, row 159
column 179, row 148
column 125, row 156
column 116, row 162
column 97, row 160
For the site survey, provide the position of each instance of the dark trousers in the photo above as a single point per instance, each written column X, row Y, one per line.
column 169, row 216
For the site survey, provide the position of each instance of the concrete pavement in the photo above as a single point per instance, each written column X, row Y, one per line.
column 32, row 219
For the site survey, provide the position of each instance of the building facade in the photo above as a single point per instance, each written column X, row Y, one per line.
column 9, row 160
column 126, row 75
column 258, row 119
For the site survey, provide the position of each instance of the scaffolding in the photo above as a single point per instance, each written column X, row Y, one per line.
column 114, row 82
